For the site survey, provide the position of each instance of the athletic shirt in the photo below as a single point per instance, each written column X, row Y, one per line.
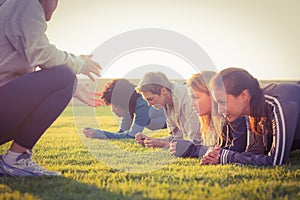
column 283, row 100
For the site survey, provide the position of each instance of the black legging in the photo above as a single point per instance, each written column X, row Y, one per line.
column 31, row 103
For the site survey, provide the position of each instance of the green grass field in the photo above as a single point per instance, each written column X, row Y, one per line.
column 96, row 169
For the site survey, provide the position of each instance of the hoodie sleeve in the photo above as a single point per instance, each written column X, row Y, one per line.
column 228, row 157
column 125, row 123
column 187, row 149
column 26, row 32
column 189, row 120
column 140, row 120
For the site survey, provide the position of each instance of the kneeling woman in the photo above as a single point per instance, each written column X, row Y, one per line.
column 273, row 116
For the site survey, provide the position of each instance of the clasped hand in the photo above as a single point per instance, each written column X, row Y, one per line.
column 150, row 142
column 211, row 157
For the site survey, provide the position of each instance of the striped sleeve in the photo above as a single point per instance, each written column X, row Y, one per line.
column 277, row 154
column 279, row 131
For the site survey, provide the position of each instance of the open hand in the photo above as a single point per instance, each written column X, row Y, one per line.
column 89, row 132
column 90, row 67
column 84, row 94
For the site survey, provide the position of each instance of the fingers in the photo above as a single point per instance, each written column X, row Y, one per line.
column 91, row 77
column 213, row 154
column 211, row 157
column 140, row 135
column 89, row 57
column 148, row 143
column 89, row 133
column 151, row 142
column 96, row 65
column 172, row 148
column 92, row 99
column 95, row 69
column 99, row 102
column 85, row 129
column 99, row 94
column 139, row 138
column 91, row 72
column 204, row 161
column 86, row 56
column 90, row 67
column 95, row 102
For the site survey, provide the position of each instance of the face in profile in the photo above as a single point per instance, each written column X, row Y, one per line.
column 200, row 101
column 154, row 100
column 229, row 106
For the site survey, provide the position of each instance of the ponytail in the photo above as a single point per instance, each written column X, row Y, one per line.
column 257, row 107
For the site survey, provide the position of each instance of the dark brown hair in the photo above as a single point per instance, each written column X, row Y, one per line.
column 122, row 93
column 235, row 81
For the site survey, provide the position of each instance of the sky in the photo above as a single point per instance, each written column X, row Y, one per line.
column 262, row 36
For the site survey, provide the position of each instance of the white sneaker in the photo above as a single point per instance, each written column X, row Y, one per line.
column 25, row 167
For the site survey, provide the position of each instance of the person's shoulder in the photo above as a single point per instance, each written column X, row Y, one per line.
column 21, row 7
column 179, row 93
column 280, row 88
column 140, row 99
column 22, row 3
column 141, row 102
column 7, row 4
column 179, row 87
column 33, row 4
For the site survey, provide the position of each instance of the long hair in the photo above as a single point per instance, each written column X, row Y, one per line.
column 210, row 128
column 234, row 81
column 122, row 93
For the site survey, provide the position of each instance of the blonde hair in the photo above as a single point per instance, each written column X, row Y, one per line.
column 211, row 123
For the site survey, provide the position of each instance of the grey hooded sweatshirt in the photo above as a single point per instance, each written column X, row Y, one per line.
column 24, row 44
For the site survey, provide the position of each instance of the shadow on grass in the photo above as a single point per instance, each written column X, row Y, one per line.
column 51, row 188
column 294, row 158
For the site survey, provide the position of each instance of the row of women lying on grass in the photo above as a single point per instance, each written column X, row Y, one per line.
column 251, row 125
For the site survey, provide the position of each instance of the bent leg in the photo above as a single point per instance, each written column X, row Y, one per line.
column 31, row 103
column 291, row 138
column 296, row 143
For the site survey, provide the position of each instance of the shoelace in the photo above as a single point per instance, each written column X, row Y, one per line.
column 31, row 165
